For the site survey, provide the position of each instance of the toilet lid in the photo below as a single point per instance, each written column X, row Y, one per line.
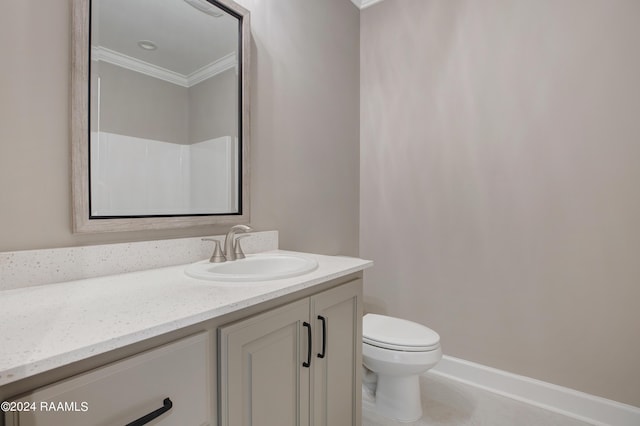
column 398, row 334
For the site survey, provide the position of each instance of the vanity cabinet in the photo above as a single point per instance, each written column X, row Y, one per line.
column 173, row 381
column 299, row 364
column 292, row 360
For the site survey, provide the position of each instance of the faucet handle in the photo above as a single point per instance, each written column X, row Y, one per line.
column 237, row 248
column 217, row 256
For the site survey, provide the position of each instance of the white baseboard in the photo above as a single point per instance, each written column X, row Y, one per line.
column 578, row 405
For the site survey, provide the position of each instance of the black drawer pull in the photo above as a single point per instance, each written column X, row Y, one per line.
column 308, row 363
column 166, row 406
column 324, row 336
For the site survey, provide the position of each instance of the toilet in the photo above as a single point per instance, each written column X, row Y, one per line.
column 397, row 351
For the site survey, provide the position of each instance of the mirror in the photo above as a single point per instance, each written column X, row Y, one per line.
column 160, row 130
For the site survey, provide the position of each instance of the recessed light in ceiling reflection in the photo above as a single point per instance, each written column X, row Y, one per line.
column 147, row 45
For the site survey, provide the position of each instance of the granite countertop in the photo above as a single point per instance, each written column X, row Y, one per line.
column 48, row 326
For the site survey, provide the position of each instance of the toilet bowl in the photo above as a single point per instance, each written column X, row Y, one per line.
column 398, row 351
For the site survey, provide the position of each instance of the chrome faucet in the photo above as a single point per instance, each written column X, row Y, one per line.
column 229, row 246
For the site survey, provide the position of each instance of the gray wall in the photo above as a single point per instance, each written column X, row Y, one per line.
column 305, row 127
column 143, row 106
column 135, row 104
column 213, row 107
column 305, row 180
column 500, row 182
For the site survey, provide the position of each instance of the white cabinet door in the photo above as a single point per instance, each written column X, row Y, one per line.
column 264, row 381
column 125, row 391
column 337, row 390
column 269, row 376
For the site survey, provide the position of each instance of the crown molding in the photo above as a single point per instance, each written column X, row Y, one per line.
column 226, row 62
column 137, row 65
column 362, row 4
column 134, row 64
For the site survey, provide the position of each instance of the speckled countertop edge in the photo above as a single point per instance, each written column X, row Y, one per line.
column 45, row 327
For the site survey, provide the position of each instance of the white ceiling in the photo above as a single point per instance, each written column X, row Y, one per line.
column 187, row 38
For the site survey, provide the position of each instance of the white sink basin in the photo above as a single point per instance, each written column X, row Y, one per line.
column 255, row 267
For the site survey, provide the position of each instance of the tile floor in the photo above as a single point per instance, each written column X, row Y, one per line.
column 450, row 403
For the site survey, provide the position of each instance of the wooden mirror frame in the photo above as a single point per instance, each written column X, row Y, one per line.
column 82, row 222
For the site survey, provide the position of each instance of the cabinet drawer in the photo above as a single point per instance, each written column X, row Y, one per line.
column 124, row 391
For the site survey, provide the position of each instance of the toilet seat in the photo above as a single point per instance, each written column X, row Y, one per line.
column 398, row 334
